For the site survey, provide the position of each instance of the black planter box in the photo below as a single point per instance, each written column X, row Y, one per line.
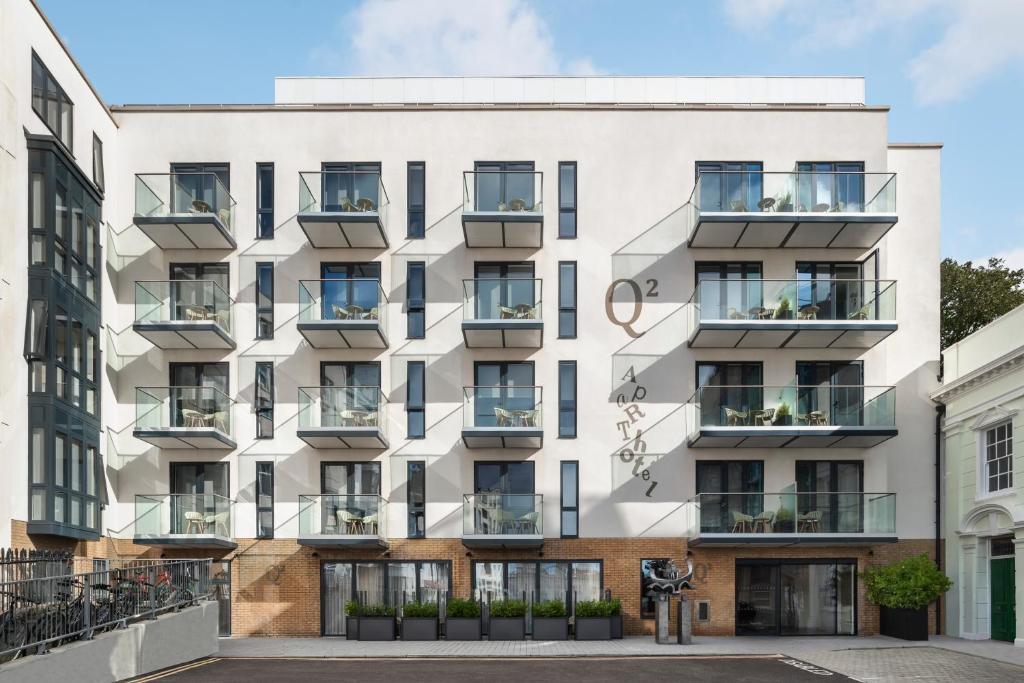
column 907, row 624
column 593, row 628
column 419, row 628
column 551, row 628
column 376, row 628
column 462, row 628
column 506, row 628
column 351, row 628
column 616, row 627
column 783, row 421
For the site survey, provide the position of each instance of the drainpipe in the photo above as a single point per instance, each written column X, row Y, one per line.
column 940, row 412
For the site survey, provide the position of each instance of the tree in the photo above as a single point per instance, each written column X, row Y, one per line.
column 973, row 296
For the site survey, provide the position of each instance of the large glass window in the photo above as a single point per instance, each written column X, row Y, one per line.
column 350, row 290
column 730, row 186
column 648, row 598
column 829, row 495
column 346, row 184
column 567, row 199
column 730, row 392
column 504, row 290
column 502, row 183
column 830, row 392
column 729, row 290
column 998, row 475
column 730, row 490
column 832, row 291
column 798, row 597
column 570, row 581
column 501, row 388
column 264, row 201
column 51, row 103
column 416, row 178
column 830, row 186
column 198, row 487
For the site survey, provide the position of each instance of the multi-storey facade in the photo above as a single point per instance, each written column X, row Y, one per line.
column 396, row 337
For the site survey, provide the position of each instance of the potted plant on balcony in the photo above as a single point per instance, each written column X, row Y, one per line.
column 376, row 622
column 783, row 416
column 462, row 620
column 507, row 620
column 352, row 620
column 784, row 202
column 903, row 590
column 550, row 621
column 419, row 621
column 594, row 619
column 783, row 311
column 784, row 521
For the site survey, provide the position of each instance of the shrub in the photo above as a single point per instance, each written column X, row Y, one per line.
column 549, row 608
column 912, row 583
column 508, row 608
column 424, row 610
column 377, row 611
column 598, row 608
column 352, row 608
column 616, row 606
column 461, row 608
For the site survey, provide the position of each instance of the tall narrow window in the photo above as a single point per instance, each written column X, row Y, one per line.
column 264, row 500
column 51, row 103
column 570, row 485
column 416, row 476
column 417, row 181
column 415, row 403
column 97, row 162
column 264, row 300
column 999, row 457
column 567, row 199
column 567, row 300
column 416, row 292
column 264, row 201
column 264, row 400
column 567, row 399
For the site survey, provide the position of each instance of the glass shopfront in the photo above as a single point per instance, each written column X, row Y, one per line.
column 796, row 597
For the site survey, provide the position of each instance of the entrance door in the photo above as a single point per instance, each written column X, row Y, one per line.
column 834, row 391
column 220, row 582
column 1004, row 614
column 796, row 597
column 727, row 487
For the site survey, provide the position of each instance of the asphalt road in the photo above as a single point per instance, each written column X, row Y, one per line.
column 458, row 670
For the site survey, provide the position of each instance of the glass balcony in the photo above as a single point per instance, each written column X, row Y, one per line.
column 792, row 416
column 343, row 209
column 817, row 210
column 791, row 313
column 343, row 314
column 191, row 520
column 185, row 210
column 787, row 518
column 503, row 208
column 502, row 313
column 184, row 314
column 502, row 417
column 503, row 520
column 343, row 520
column 343, row 417
column 183, row 417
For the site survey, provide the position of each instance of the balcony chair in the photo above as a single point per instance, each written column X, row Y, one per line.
column 218, row 420
column 225, row 216
column 764, row 522
column 735, row 418
column 817, row 418
column 374, row 314
column 766, row 204
column 339, row 312
column 347, row 205
column 370, row 419
column 352, row 524
column 861, row 313
column 517, row 204
column 193, row 523
column 738, row 206
column 524, row 312
column 365, row 204
column 741, row 523
column 199, row 206
column 736, row 315
column 192, row 418
column 369, row 524
column 524, row 418
column 809, row 522
column 216, row 523
column 527, row 524
column 195, row 313
column 764, row 418
column 504, row 417
column 808, row 313
column 506, row 313
column 355, row 312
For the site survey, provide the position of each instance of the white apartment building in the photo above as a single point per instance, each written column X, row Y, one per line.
column 388, row 338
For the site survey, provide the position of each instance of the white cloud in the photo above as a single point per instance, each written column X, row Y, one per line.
column 445, row 37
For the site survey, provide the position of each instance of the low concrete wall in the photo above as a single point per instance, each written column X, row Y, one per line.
column 139, row 649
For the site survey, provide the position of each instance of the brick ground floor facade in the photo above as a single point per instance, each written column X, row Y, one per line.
column 275, row 584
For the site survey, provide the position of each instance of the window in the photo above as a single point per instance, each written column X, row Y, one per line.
column 417, row 180
column 416, row 291
column 567, row 300
column 416, row 475
column 999, row 457
column 415, row 401
column 97, row 161
column 567, row 581
column 264, row 400
column 730, row 186
column 51, row 103
column 264, row 500
column 570, row 485
column 566, row 399
column 830, row 186
column 264, row 300
column 649, row 599
column 567, row 199
column 264, row 201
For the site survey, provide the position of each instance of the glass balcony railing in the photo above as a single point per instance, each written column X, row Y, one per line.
column 505, row 514
column 348, row 299
column 510, row 407
column 502, row 191
column 806, row 299
column 342, row 515
column 159, row 408
column 792, row 406
column 184, row 194
column 342, row 407
column 501, row 299
column 188, row 514
column 182, row 300
column 794, row 192
column 343, row 192
column 801, row 514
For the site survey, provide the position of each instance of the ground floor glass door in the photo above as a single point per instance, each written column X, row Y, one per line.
column 796, row 598
column 220, row 583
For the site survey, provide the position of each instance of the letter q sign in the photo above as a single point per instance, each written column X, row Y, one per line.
column 638, row 303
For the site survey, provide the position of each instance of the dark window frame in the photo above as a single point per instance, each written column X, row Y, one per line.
column 98, row 171
column 263, row 310
column 563, row 508
column 416, row 405
column 536, row 563
column 564, row 333
column 562, row 210
column 264, row 232
column 416, row 511
column 261, row 409
column 643, row 595
column 61, row 99
column 568, row 434
column 416, row 307
column 413, row 209
column 261, row 509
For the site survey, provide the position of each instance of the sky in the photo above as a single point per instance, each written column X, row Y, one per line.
column 952, row 71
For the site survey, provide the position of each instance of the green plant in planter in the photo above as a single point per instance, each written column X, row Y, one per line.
column 377, row 611
column 508, row 609
column 597, row 608
column 784, row 202
column 421, row 610
column 912, row 583
column 783, row 310
column 549, row 608
column 616, row 606
column 463, row 608
column 782, row 410
column 783, row 515
column 352, row 608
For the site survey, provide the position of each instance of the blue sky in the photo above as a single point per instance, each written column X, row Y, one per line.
column 953, row 71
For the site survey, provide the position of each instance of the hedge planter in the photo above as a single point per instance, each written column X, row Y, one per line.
column 593, row 628
column 907, row 624
column 616, row 627
column 376, row 628
column 351, row 628
column 419, row 628
column 551, row 628
column 507, row 628
column 462, row 628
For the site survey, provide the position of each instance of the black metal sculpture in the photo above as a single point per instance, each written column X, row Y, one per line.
column 671, row 583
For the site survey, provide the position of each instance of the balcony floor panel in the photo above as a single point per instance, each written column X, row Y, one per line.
column 503, row 541
column 343, row 437
column 502, row 437
column 802, row 334
column 203, row 541
column 791, row 437
column 726, row 229
column 496, row 229
column 186, row 438
column 773, row 540
column 344, row 230
column 185, row 334
column 367, row 541
column 503, row 334
column 343, row 334
column 186, row 231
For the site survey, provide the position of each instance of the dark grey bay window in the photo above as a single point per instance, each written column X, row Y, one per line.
column 567, row 300
column 51, row 103
column 567, row 399
column 264, row 400
column 570, row 497
column 567, row 199
column 416, row 483
column 264, row 201
column 264, row 500
column 415, row 401
column 416, row 306
column 417, row 182
column 264, row 300
column 97, row 162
